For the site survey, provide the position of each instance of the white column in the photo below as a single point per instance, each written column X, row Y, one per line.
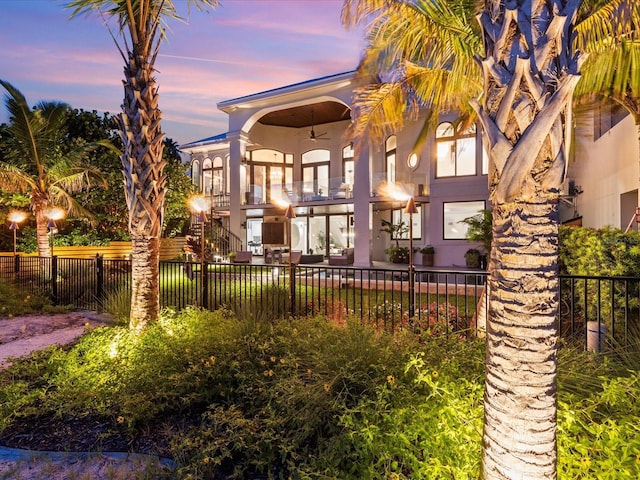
column 361, row 209
column 237, row 145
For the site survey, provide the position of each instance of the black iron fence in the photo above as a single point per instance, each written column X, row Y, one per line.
column 596, row 311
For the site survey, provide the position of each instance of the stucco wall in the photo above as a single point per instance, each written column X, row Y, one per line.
column 604, row 169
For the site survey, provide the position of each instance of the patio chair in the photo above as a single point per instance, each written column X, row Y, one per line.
column 243, row 256
column 346, row 258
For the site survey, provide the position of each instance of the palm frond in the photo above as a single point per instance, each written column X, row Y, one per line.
column 603, row 22
column 614, row 72
column 61, row 197
column 419, row 55
column 14, row 179
column 144, row 20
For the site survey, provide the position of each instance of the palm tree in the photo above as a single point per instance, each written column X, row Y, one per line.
column 141, row 26
column 528, row 72
column 36, row 164
column 419, row 57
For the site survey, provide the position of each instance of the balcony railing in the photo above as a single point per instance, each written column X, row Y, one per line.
column 331, row 189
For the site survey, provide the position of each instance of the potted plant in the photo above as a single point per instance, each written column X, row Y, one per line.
column 427, row 253
column 396, row 253
column 472, row 258
column 480, row 229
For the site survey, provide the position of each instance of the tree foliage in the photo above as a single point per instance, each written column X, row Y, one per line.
column 107, row 205
column 39, row 161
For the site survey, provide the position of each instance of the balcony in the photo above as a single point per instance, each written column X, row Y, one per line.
column 330, row 190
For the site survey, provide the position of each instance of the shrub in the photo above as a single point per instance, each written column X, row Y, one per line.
column 308, row 398
column 117, row 302
column 14, row 301
column 428, row 319
column 606, row 252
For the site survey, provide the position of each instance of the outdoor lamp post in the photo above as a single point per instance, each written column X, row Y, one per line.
column 16, row 217
column 289, row 214
column 198, row 206
column 53, row 214
column 411, row 209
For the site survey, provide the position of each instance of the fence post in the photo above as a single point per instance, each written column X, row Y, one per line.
column 54, row 280
column 204, row 274
column 292, row 286
column 16, row 264
column 99, row 280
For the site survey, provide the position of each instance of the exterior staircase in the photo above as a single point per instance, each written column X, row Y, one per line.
column 219, row 241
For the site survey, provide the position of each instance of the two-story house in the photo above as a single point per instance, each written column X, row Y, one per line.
column 288, row 146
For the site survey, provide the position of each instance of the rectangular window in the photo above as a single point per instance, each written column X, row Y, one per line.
column 391, row 168
column 348, row 168
column 398, row 216
column 606, row 115
column 455, row 151
column 466, row 156
column 454, row 214
column 485, row 161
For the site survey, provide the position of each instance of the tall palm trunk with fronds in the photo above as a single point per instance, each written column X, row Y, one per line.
column 142, row 161
column 530, row 73
column 141, row 24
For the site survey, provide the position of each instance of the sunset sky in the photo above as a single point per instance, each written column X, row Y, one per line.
column 241, row 47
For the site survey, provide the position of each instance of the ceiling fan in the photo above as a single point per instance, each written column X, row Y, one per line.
column 313, row 136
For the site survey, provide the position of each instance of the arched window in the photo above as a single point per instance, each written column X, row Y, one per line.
column 270, row 175
column 315, row 174
column 456, row 155
column 207, row 175
column 217, row 180
column 348, row 165
column 195, row 173
column 390, row 158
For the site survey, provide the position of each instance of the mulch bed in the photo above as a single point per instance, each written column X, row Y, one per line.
column 86, row 434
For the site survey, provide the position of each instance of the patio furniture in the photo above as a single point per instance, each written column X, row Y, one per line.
column 345, row 258
column 243, row 256
column 312, row 258
column 272, row 255
column 296, row 255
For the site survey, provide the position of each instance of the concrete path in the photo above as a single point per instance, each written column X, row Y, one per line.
column 20, row 336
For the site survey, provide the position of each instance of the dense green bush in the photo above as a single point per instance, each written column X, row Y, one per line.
column 605, row 252
column 16, row 302
column 310, row 398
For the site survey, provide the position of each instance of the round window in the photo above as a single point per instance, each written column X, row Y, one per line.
column 412, row 161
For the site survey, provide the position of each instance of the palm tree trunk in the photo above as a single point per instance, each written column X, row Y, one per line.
column 520, row 397
column 42, row 233
column 145, row 301
column 530, row 73
column 143, row 166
